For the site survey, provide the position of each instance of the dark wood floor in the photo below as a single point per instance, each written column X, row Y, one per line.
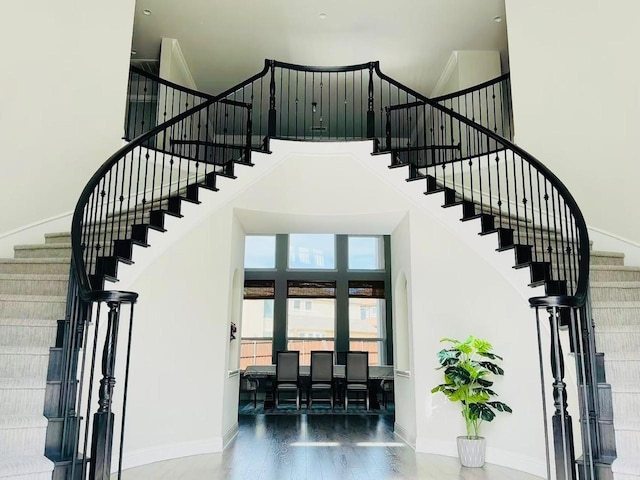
column 318, row 447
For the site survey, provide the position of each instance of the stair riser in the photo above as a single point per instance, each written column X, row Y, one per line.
column 48, row 240
column 33, row 287
column 627, row 443
column 615, row 294
column 606, row 260
column 619, row 343
column 31, row 268
column 626, row 406
column 623, row 372
column 27, row 336
column 43, row 253
column 614, row 276
column 615, row 316
column 22, row 401
column 46, row 310
column 23, row 365
column 22, row 441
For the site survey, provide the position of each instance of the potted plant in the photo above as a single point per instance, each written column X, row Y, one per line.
column 467, row 366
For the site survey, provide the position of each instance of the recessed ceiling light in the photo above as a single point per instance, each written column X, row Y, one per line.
column 146, row 11
column 323, row 16
column 497, row 19
column 134, row 52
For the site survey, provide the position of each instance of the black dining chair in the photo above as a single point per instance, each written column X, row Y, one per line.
column 357, row 376
column 287, row 374
column 321, row 375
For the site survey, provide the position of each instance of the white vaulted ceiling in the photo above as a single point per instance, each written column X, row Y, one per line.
column 226, row 41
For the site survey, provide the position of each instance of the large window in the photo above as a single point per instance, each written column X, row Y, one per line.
column 367, row 318
column 257, row 323
column 311, row 317
column 315, row 292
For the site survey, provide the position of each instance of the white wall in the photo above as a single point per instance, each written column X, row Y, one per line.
column 576, row 96
column 182, row 325
column 467, row 68
column 173, row 65
column 63, row 92
column 181, row 335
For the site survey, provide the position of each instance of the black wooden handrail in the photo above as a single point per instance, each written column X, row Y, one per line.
column 471, row 89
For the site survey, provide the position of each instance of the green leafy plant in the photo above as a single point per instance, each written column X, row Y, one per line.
column 466, row 368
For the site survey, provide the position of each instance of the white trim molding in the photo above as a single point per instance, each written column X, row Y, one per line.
column 402, row 432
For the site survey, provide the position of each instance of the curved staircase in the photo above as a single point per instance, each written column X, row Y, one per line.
column 456, row 154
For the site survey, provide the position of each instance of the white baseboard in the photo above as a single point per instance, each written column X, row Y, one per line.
column 160, row 453
column 400, row 431
column 229, row 435
column 494, row 456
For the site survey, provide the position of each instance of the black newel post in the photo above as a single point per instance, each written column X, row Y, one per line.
column 102, row 441
column 371, row 122
column 272, row 102
column 247, row 148
column 561, row 420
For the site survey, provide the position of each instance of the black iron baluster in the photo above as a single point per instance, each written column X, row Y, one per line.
column 126, row 390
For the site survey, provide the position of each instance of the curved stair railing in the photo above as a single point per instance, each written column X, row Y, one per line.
column 513, row 195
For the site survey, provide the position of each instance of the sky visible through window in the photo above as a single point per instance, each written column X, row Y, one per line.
column 260, row 251
column 365, row 253
column 312, row 251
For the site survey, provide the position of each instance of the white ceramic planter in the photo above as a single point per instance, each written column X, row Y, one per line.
column 471, row 451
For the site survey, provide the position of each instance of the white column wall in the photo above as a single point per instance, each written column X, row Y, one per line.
column 62, row 91
column 576, row 97
column 179, row 358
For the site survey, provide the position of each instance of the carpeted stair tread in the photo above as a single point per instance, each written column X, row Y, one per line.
column 615, row 284
column 43, row 246
column 23, row 421
column 20, row 467
column 607, row 304
column 603, row 253
column 626, row 388
column 627, row 466
column 35, row 260
column 27, row 322
column 622, row 268
column 18, row 350
column 33, row 298
column 34, row 277
column 22, row 383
